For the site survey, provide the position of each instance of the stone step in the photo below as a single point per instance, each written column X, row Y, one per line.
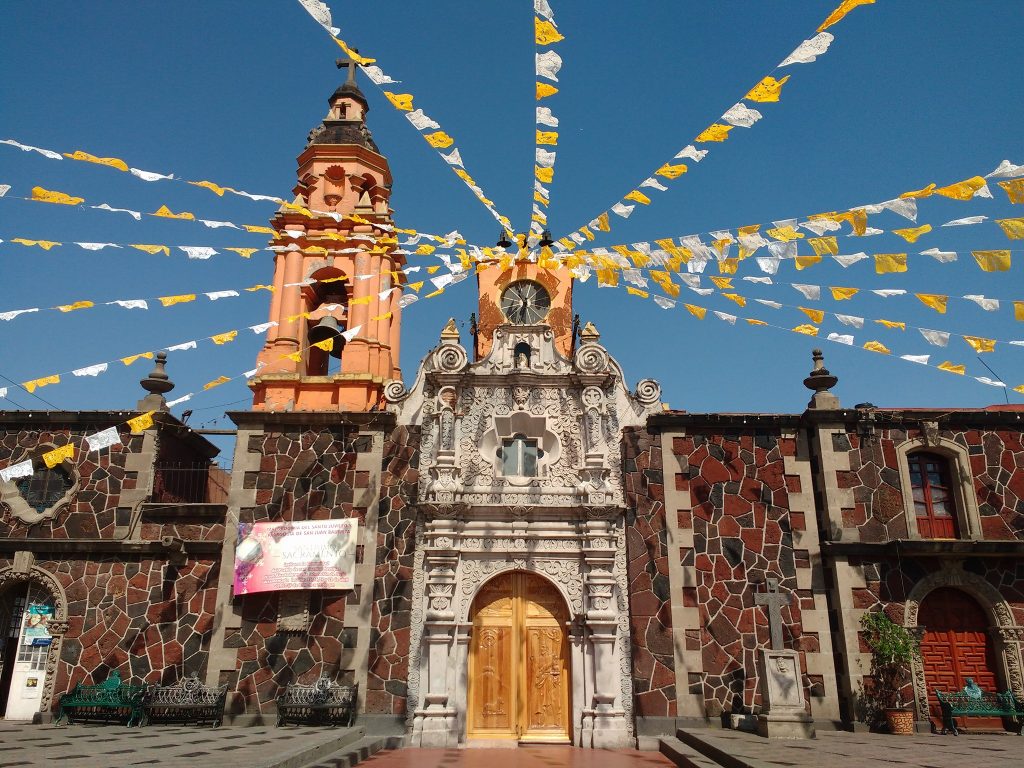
column 683, row 755
column 309, row 755
column 717, row 755
column 354, row 753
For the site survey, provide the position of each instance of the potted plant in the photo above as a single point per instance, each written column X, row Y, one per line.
column 893, row 648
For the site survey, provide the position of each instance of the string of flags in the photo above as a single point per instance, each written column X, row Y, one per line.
column 548, row 65
column 429, row 129
column 766, row 91
column 810, row 329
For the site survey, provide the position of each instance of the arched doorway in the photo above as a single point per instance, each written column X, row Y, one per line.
column 519, row 661
column 956, row 645
column 26, row 609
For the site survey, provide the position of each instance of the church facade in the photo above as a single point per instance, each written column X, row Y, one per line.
column 545, row 554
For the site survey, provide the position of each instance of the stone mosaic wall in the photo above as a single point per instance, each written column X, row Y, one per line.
column 392, row 587
column 654, row 678
column 997, row 467
column 305, row 474
column 148, row 619
column 743, row 534
column 92, row 512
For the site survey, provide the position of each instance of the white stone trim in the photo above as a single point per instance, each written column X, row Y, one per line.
column 964, row 498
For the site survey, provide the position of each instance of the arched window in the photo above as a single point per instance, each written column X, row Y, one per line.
column 934, row 504
column 45, row 487
column 519, row 456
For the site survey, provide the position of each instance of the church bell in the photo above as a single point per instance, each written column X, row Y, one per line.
column 327, row 328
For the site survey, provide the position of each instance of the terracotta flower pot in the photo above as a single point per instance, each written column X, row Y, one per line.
column 900, row 721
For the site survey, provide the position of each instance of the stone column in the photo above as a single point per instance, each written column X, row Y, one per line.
column 604, row 720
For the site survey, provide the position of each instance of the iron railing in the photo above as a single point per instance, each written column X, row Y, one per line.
column 190, row 483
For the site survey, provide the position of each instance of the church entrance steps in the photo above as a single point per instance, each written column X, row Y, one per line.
column 684, row 755
column 357, row 752
column 522, row 757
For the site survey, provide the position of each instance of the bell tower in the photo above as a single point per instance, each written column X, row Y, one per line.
column 337, row 276
column 525, row 293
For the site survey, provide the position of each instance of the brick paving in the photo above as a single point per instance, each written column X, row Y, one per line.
column 100, row 746
column 516, row 757
column 839, row 749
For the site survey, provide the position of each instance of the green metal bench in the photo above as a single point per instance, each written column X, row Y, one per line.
column 972, row 701
column 107, row 702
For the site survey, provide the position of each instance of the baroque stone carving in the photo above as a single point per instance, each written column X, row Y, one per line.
column 648, row 392
column 591, row 358
column 450, row 358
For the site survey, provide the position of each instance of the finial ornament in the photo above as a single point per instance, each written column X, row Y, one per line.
column 589, row 333
column 157, row 384
column 820, row 381
column 451, row 330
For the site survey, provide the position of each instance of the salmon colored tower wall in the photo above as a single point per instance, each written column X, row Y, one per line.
column 341, row 172
column 492, row 282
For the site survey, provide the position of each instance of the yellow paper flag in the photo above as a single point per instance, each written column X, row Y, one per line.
column 893, row 324
column 59, row 455
column 962, row 190
column 170, row 301
column 808, row 330
column 722, row 282
column 1014, row 190
column 1014, row 228
column 425, row 250
column 224, row 338
column 697, row 312
column 934, row 300
column 844, row 8
column 890, row 262
column 959, row 370
column 217, row 189
column 1018, row 310
column 416, row 286
column 923, row 192
column 752, row 321
column 911, row 234
column 841, row 294
column 670, row 171
column 767, row 90
column 152, row 249
column 44, row 244
column 803, row 262
column 258, row 229
column 245, row 253
column 111, row 162
column 545, row 32
column 352, row 54
column 992, row 261
column 547, row 137
column 602, row 222
column 49, row 196
column 816, row 315
column 546, row 175
column 785, row 234
column 439, row 139
column 385, row 316
column 327, row 345
column 877, row 346
column 166, row 213
column 824, row 246
column 980, row 344
column 638, row 197
column 254, row 288
column 636, row 292
column 35, row 384
column 402, row 101
column 132, row 358
column 736, row 298
column 544, row 90
column 141, row 423
column 216, row 382
column 714, row 132
column 76, row 305
column 293, row 356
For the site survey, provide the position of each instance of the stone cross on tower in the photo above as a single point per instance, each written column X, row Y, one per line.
column 773, row 600
column 349, row 63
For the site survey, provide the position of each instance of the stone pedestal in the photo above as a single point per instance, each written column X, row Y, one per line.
column 782, row 694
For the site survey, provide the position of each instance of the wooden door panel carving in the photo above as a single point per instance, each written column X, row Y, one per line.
column 519, row 681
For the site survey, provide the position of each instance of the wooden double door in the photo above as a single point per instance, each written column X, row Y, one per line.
column 519, row 677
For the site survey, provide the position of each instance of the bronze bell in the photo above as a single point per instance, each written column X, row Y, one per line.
column 327, row 328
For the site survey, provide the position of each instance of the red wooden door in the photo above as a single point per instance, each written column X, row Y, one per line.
column 956, row 646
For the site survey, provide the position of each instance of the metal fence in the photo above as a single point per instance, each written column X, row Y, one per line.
column 190, row 483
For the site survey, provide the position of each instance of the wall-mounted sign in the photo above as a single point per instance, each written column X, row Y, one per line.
column 37, row 631
column 312, row 554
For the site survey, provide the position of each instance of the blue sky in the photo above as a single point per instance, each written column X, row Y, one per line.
column 909, row 93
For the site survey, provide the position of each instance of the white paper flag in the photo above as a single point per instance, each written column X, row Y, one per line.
column 821, row 226
column 841, row 338
column 377, row 76
column 544, row 117
column 351, row 334
column 761, row 280
column 545, row 159
column 847, row 260
column 692, row 153
column 922, row 359
column 989, row 305
column 702, row 291
column 809, row 50
column 182, row 347
column 990, row 382
column 965, row 221
column 179, row 401
column 542, row 9
column 810, row 292
column 26, row 148
column 97, row 246
column 851, row 320
column 887, row 293
column 104, row 439
column 149, row 175
column 620, row 209
column 3, row 392
column 420, row 121
column 942, row 256
column 936, row 338
column 198, row 251
column 453, row 158
column 768, row 264
column 21, row 469
column 664, row 302
column 218, row 224
column 653, row 183
column 730, row 319
column 741, row 115
column 4, row 189
column 262, row 327
column 91, row 370
column 548, row 64
column 1006, row 169
column 767, row 303
column 15, row 312
column 104, row 207
column 214, row 295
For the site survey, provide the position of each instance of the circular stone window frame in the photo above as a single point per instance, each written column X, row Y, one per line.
column 20, row 508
